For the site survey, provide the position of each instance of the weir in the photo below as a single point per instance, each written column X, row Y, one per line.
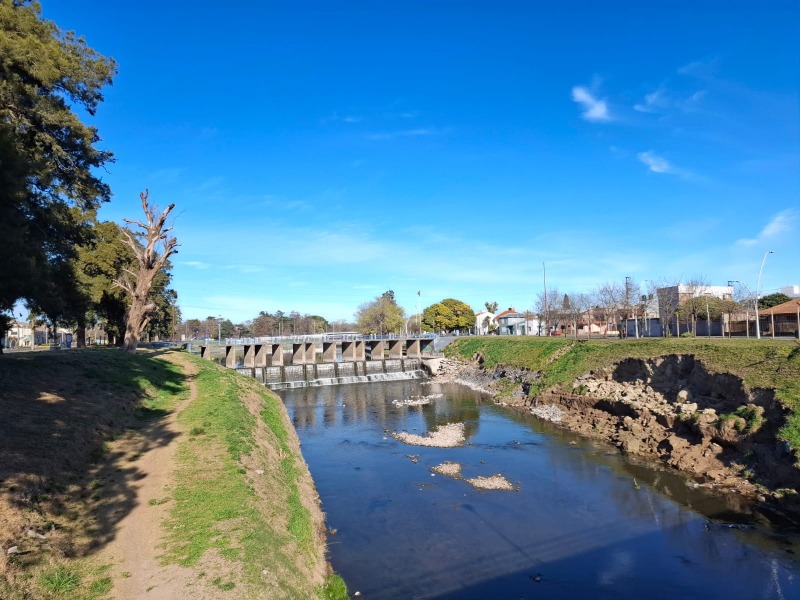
column 319, row 374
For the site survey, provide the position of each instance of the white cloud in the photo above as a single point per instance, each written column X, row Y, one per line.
column 196, row 264
column 393, row 135
column 659, row 164
column 652, row 102
column 782, row 223
column 594, row 109
column 655, row 163
column 662, row 101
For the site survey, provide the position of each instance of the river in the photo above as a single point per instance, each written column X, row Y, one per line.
column 582, row 522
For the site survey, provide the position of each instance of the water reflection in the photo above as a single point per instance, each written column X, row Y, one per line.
column 584, row 523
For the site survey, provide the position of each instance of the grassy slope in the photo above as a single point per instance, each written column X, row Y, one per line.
column 760, row 363
column 258, row 521
column 65, row 486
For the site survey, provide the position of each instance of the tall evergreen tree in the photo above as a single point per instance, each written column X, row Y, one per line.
column 49, row 158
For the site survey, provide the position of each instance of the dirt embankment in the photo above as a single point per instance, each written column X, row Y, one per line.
column 670, row 409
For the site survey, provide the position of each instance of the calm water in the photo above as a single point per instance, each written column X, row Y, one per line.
column 584, row 522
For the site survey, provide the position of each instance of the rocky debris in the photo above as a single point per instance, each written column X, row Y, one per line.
column 493, row 482
column 446, row 370
column 444, row 436
column 416, row 400
column 448, row 469
column 547, row 412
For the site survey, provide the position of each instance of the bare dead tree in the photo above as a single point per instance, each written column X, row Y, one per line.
column 148, row 263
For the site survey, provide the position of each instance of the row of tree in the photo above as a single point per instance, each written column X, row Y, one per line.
column 68, row 267
column 611, row 303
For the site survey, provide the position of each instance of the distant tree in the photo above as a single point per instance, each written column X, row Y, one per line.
column 694, row 304
column 227, row 329
column 772, row 300
column 491, row 306
column 610, row 300
column 313, row 324
column 263, row 325
column 448, row 315
column 548, row 307
column 382, row 315
column 574, row 308
column 412, row 324
column 192, row 328
column 149, row 262
column 342, row 325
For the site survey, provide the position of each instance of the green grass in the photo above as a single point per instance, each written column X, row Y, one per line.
column 299, row 520
column 759, row 363
column 60, row 581
column 215, row 505
column 203, row 503
column 334, row 589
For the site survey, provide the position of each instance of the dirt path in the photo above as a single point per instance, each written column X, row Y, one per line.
column 135, row 548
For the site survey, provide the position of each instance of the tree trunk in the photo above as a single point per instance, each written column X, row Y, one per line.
column 80, row 333
column 138, row 284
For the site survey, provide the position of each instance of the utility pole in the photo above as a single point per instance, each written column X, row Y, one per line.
column 627, row 302
column 546, row 316
column 419, row 311
column 758, row 291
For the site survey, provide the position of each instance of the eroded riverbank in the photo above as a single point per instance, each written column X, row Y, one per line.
column 669, row 409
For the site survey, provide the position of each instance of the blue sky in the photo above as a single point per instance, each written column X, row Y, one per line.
column 320, row 153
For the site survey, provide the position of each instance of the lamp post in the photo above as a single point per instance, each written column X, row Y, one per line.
column 628, row 309
column 219, row 328
column 758, row 291
column 419, row 312
column 646, row 303
column 546, row 315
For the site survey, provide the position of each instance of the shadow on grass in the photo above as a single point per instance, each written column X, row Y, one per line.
column 63, row 486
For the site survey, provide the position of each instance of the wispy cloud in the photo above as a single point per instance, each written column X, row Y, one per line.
column 700, row 69
column 656, row 163
column 393, row 135
column 594, row 109
column 196, row 264
column 652, row 102
column 663, row 100
column 336, row 117
column 781, row 224
column 659, row 164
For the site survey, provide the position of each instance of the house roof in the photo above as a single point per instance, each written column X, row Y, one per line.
column 787, row 308
column 505, row 313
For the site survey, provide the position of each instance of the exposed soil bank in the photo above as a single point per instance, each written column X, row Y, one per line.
column 670, row 409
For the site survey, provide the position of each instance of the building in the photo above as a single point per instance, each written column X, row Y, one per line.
column 485, row 322
column 793, row 291
column 511, row 322
column 781, row 319
column 670, row 298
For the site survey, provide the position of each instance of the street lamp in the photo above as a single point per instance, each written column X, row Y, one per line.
column 628, row 309
column 747, row 313
column 419, row 312
column 219, row 328
column 758, row 291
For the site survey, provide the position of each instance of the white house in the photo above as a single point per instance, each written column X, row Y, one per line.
column 484, row 322
column 511, row 322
